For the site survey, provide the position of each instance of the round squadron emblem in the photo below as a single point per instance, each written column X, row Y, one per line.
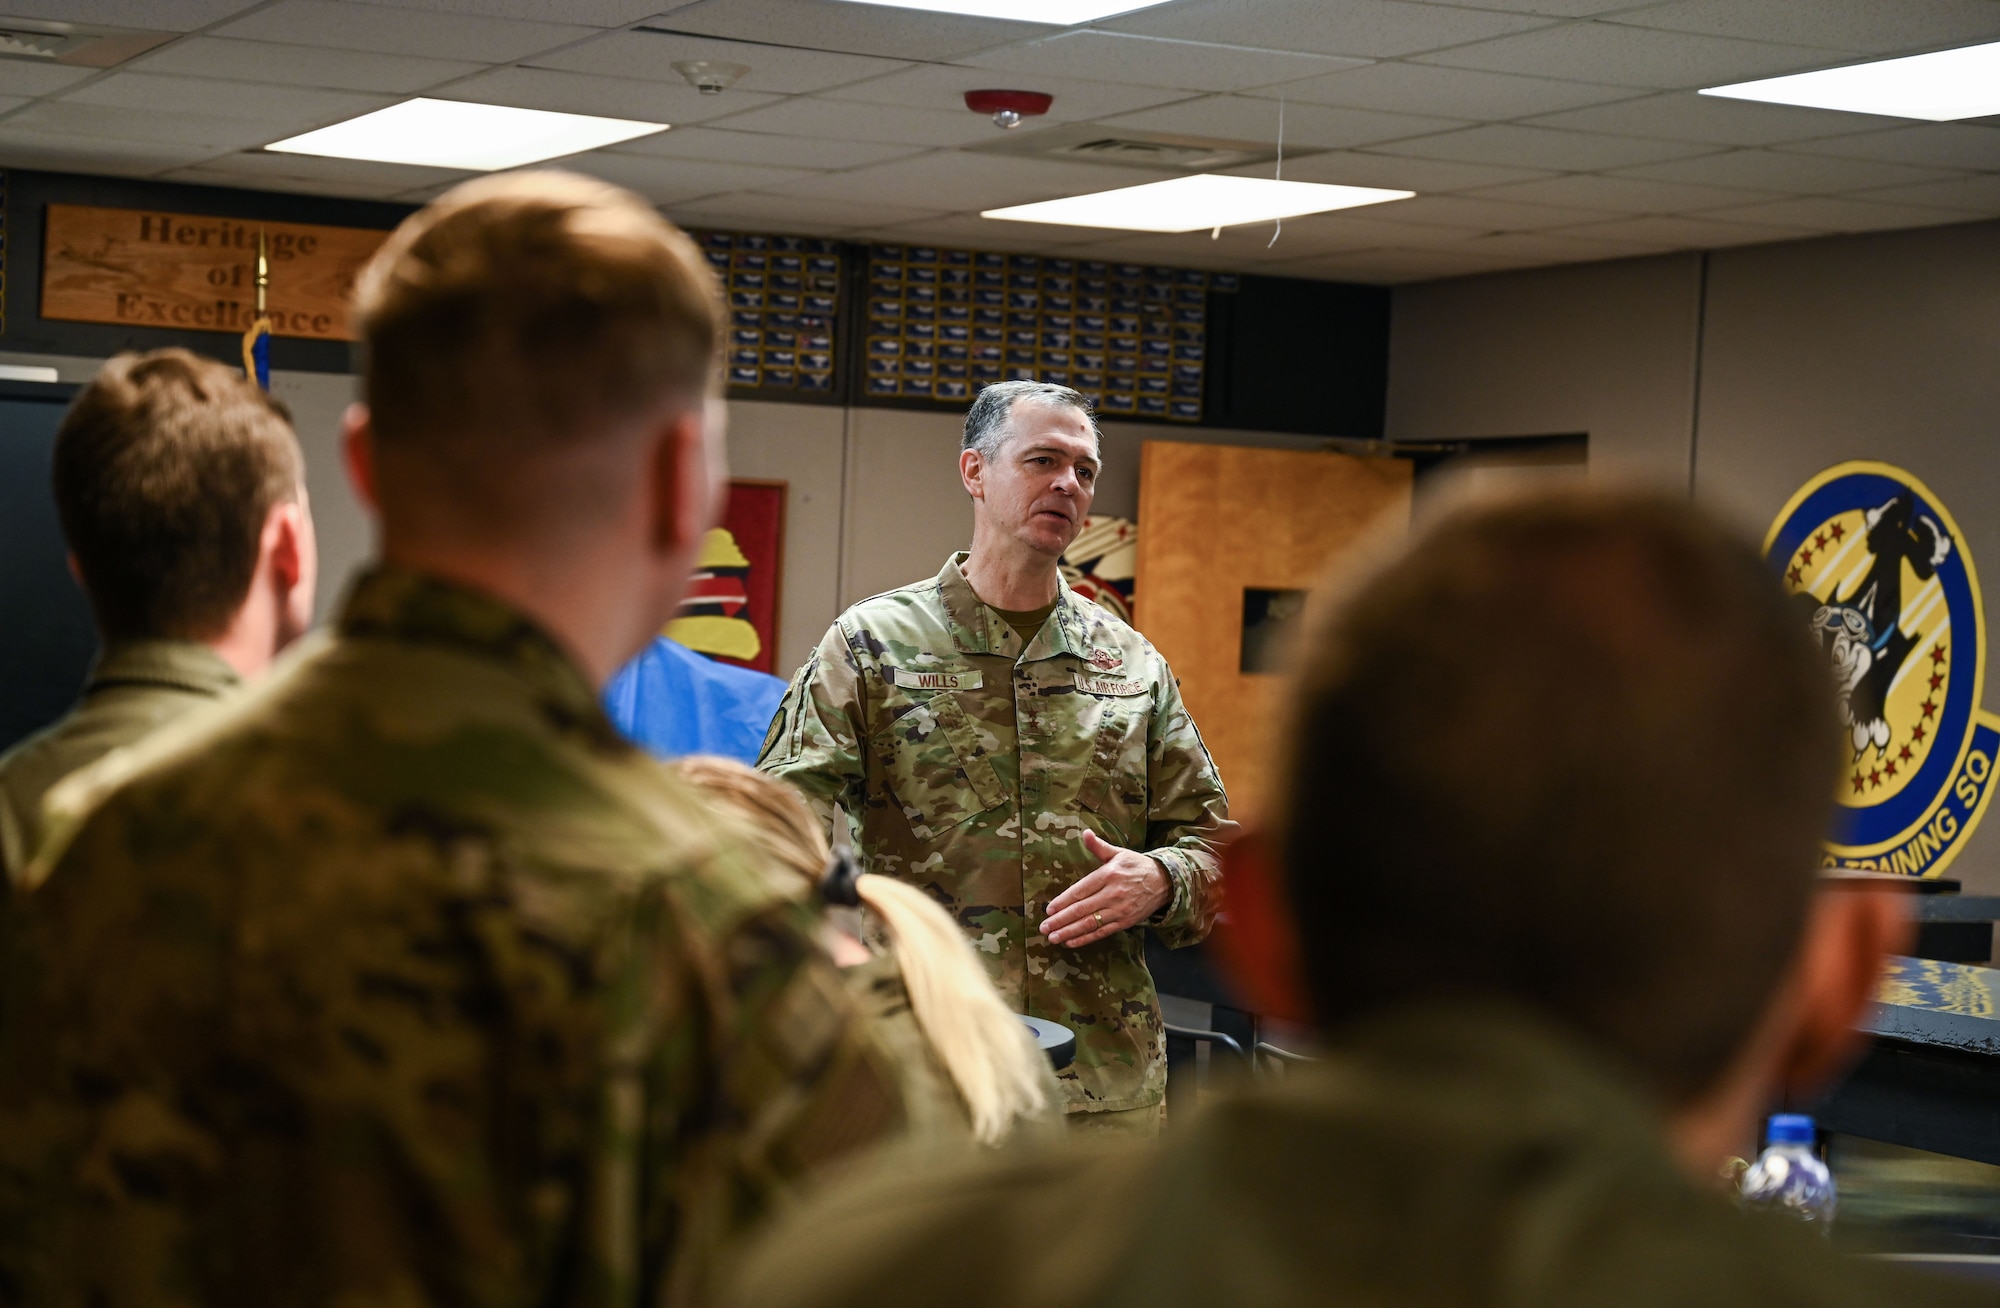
column 1882, row 578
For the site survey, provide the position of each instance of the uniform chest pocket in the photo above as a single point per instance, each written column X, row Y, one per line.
column 1114, row 783
column 937, row 771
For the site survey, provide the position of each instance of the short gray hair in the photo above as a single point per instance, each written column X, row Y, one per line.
column 986, row 423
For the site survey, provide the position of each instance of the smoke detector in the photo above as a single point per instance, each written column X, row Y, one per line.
column 710, row 76
column 1008, row 108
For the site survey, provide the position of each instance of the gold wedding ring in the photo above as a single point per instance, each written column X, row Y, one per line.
column 1099, row 917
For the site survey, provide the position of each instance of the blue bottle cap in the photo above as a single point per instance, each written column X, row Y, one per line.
column 1790, row 1128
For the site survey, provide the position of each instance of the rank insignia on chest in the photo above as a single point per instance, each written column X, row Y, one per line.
column 910, row 680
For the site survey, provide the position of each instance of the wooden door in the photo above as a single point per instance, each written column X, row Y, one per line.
column 1225, row 530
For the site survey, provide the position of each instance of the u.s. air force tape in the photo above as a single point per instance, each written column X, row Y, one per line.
column 1108, row 686
column 932, row 680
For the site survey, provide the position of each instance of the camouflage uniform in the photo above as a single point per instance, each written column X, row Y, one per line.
column 971, row 767
column 406, row 980
column 1443, row 1157
column 135, row 687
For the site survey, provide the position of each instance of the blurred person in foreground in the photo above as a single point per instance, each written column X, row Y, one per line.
column 1025, row 758
column 408, row 980
column 970, row 1063
column 1549, row 832
column 181, row 492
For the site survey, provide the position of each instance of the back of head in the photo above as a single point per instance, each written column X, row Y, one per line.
column 166, row 467
column 517, row 317
column 1574, row 751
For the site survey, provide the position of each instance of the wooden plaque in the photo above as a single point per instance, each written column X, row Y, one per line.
column 141, row 268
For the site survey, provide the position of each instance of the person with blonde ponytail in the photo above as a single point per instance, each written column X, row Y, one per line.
column 958, row 1043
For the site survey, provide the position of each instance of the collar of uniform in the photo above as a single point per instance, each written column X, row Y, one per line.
column 177, row 664
column 388, row 603
column 977, row 629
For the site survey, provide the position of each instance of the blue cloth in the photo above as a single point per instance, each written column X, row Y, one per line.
column 672, row 701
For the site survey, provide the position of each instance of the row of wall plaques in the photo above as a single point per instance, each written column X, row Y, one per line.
column 818, row 320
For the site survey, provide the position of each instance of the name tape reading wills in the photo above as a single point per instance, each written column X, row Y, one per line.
column 935, row 680
column 140, row 268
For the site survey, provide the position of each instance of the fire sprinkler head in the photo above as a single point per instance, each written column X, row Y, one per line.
column 710, row 76
column 1009, row 108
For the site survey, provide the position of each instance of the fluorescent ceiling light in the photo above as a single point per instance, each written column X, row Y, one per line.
column 1193, row 204
column 460, row 134
column 1962, row 83
column 1062, row 13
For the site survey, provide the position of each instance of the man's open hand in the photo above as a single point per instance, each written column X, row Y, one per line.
column 1124, row 891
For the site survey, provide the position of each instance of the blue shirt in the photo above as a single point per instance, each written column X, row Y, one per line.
column 672, row 701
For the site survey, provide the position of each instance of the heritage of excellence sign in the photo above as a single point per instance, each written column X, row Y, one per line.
column 1882, row 576
column 142, row 268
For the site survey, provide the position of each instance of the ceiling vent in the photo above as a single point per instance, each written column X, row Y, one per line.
column 1156, row 151
column 65, row 43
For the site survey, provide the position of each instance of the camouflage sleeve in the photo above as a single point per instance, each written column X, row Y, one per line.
column 1187, row 820
column 789, row 1080
column 817, row 740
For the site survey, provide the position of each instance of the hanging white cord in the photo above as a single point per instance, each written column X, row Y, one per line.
column 1279, row 230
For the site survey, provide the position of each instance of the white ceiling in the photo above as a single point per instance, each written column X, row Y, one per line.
column 1535, row 131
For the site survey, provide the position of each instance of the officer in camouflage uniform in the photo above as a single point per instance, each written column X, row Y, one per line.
column 180, row 487
column 1025, row 757
column 406, row 979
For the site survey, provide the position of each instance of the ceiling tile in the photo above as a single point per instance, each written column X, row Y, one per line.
column 596, row 13
column 1490, row 215
column 1971, row 194
column 1379, row 29
column 1689, row 233
column 1686, row 116
column 201, row 175
column 969, row 181
column 1784, row 170
column 349, row 26
column 281, row 109
column 1859, row 26
column 1357, row 229
column 1398, row 172
column 720, row 146
column 855, row 28
column 1307, row 126
column 1838, row 213
column 1399, row 265
column 650, row 56
column 1624, row 194
column 8, row 103
column 970, row 231
column 257, row 166
column 790, row 213
column 844, row 120
column 1632, row 56
column 101, row 124
column 1449, row 92
column 943, row 86
column 158, row 15
column 609, row 97
column 1942, row 145
column 671, row 181
column 1543, row 248
column 1145, row 61
column 19, row 77
column 1542, row 147
column 1183, row 250
column 61, row 150
column 301, row 65
column 1559, row 8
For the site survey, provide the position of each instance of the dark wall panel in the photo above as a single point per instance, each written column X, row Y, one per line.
column 1299, row 356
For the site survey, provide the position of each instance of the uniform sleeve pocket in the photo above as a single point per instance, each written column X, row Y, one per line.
column 939, row 774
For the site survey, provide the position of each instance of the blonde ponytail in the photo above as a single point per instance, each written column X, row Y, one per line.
column 985, row 1049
